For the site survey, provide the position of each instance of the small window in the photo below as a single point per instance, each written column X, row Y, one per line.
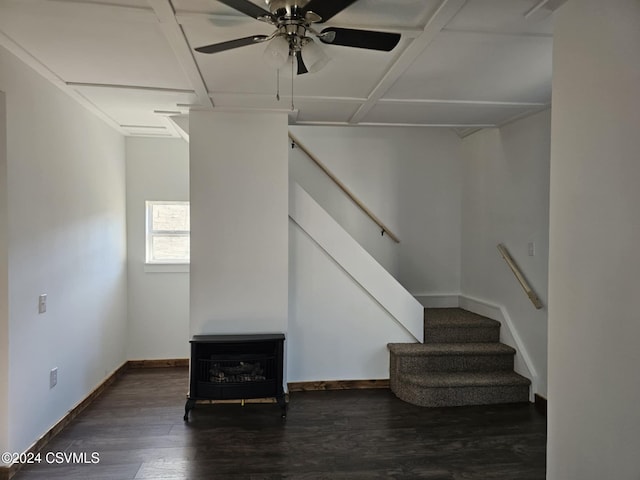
column 168, row 229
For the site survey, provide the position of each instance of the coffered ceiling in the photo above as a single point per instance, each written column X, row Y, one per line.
column 459, row 64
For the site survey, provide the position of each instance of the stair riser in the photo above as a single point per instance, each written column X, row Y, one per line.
column 461, row 335
column 461, row 396
column 450, row 363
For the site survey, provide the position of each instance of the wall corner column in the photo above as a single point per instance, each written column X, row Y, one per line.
column 239, row 222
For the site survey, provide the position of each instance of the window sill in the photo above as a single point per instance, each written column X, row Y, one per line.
column 166, row 267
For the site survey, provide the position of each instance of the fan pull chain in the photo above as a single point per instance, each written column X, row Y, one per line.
column 278, row 84
column 292, row 106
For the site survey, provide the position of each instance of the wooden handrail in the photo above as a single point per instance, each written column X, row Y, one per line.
column 521, row 279
column 344, row 188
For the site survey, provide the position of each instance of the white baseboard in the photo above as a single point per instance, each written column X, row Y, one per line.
column 444, row 300
column 508, row 335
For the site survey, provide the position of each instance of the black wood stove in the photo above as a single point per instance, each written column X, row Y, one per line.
column 236, row 367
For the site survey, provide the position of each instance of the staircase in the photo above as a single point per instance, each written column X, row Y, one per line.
column 462, row 362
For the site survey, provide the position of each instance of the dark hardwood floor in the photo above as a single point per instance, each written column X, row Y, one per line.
column 136, row 427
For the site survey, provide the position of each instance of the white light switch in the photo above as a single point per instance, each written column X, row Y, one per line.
column 42, row 303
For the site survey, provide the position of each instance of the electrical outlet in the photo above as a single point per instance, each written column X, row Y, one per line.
column 42, row 303
column 531, row 247
column 53, row 377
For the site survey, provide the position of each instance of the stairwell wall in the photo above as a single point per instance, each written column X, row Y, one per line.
column 337, row 331
column 410, row 178
column 505, row 199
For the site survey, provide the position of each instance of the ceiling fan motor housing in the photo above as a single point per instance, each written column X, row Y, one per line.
column 290, row 6
column 287, row 8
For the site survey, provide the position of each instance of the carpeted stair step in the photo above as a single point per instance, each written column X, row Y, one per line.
column 462, row 362
column 454, row 325
column 457, row 389
column 416, row 358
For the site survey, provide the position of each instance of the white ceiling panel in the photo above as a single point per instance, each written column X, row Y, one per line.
column 135, row 107
column 97, row 51
column 250, row 101
column 443, row 114
column 209, row 6
column 399, row 13
column 129, row 58
column 76, row 12
column 206, row 6
column 473, row 66
column 120, row 3
column 506, row 16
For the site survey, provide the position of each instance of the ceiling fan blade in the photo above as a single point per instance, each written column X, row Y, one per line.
column 327, row 8
column 302, row 68
column 238, row 42
column 369, row 39
column 247, row 7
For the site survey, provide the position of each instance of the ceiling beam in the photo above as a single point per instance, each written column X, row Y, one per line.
column 442, row 16
column 134, row 88
column 269, row 99
column 171, row 127
column 465, row 132
column 466, row 103
column 178, row 41
column 522, row 115
column 477, row 126
column 498, row 33
column 180, row 124
column 226, row 97
column 535, row 8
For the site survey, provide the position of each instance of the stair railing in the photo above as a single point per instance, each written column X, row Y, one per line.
column 520, row 276
column 344, row 188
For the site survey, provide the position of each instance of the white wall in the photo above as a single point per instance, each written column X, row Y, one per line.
column 410, row 178
column 66, row 193
column 343, row 306
column 157, row 169
column 337, row 331
column 594, row 321
column 239, row 223
column 4, row 285
column 505, row 199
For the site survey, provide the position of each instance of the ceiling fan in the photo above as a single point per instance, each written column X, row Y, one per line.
column 293, row 20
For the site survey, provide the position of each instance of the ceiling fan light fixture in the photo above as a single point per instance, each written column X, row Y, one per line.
column 314, row 56
column 277, row 52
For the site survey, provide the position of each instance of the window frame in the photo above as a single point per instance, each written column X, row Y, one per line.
column 150, row 233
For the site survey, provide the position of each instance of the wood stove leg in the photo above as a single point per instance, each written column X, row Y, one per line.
column 283, row 405
column 190, row 405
